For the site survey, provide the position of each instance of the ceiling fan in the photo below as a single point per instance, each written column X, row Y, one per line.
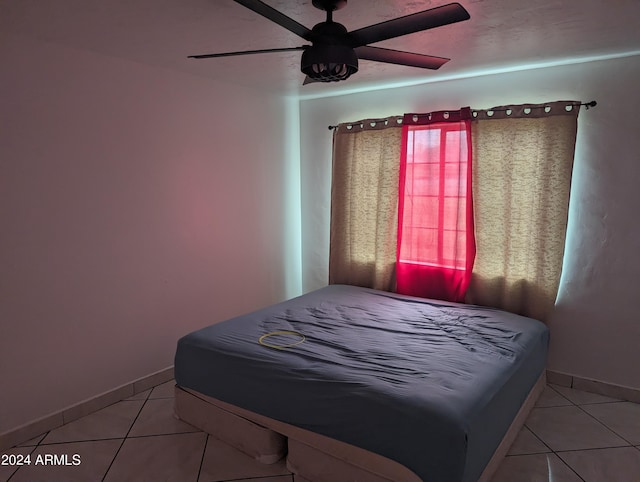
column 334, row 52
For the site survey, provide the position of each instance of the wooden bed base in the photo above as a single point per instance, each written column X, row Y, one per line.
column 310, row 456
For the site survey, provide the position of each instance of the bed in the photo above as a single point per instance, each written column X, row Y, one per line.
column 351, row 384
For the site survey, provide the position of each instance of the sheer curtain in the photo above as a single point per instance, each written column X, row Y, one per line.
column 436, row 246
column 523, row 160
column 364, row 199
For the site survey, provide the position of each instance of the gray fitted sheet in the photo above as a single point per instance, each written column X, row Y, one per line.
column 430, row 384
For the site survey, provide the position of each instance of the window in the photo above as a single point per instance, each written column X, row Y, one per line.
column 435, row 226
column 522, row 166
column 435, row 197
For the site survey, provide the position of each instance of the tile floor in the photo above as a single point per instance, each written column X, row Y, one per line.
column 570, row 436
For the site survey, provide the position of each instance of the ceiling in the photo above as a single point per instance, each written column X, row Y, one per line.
column 501, row 35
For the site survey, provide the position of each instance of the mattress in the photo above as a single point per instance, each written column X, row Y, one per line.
column 432, row 385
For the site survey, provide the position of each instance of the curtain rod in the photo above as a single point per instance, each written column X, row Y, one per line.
column 589, row 104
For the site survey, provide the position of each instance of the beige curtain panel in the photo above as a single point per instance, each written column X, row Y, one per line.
column 364, row 203
column 523, row 160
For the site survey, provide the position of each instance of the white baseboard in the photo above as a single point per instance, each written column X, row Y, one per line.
column 594, row 386
column 53, row 420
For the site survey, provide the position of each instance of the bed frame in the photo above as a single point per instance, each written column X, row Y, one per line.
column 310, row 456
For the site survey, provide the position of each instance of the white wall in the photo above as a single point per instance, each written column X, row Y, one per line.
column 136, row 205
column 595, row 331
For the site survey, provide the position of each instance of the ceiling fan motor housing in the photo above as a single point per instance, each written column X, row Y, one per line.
column 329, row 5
column 330, row 58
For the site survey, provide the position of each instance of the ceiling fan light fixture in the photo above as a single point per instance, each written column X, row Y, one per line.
column 329, row 63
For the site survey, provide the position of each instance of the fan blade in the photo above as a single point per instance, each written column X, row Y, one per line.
column 246, row 52
column 277, row 17
column 389, row 56
column 309, row 80
column 415, row 22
